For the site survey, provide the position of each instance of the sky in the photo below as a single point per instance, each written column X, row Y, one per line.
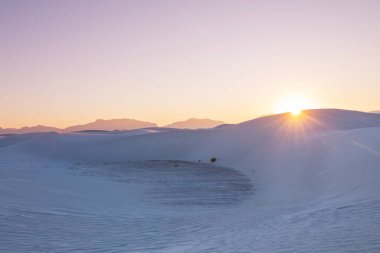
column 70, row 62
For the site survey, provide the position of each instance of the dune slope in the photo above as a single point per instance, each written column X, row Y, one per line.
column 301, row 184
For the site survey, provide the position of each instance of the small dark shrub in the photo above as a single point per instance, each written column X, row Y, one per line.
column 213, row 159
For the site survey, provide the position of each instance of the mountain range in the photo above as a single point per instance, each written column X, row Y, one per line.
column 121, row 124
column 114, row 124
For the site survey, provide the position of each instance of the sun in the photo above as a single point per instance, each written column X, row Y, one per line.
column 296, row 112
column 294, row 105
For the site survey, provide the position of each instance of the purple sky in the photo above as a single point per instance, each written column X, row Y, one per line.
column 68, row 62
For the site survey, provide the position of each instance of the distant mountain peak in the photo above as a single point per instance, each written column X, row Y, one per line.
column 27, row 129
column 111, row 124
column 195, row 123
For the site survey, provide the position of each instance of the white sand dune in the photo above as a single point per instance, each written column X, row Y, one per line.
column 280, row 184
